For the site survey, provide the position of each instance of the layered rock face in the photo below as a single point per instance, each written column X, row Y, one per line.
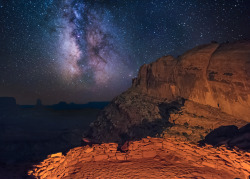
column 214, row 75
column 204, row 88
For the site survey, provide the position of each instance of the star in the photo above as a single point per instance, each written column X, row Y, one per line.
column 90, row 50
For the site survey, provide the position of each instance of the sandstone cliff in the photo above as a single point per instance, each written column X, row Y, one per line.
column 206, row 87
column 213, row 74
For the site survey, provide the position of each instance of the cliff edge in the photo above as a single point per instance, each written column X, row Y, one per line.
column 203, row 89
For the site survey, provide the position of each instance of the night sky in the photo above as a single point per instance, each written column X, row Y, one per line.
column 80, row 51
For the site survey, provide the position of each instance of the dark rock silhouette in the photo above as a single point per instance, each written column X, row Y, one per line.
column 132, row 116
column 8, row 108
column 64, row 106
column 61, row 105
column 39, row 103
column 7, row 103
column 221, row 135
column 229, row 136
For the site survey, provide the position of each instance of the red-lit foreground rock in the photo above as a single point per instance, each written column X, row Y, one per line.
column 147, row 158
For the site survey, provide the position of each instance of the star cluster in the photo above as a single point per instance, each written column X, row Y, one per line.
column 91, row 49
column 85, row 50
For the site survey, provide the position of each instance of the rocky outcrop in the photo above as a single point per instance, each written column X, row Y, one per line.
column 215, row 75
column 206, row 87
column 230, row 136
column 131, row 116
column 166, row 158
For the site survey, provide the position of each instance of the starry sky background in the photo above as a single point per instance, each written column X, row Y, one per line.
column 89, row 50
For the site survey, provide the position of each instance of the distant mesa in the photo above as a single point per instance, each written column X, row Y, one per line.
column 62, row 106
column 7, row 103
column 8, row 107
column 71, row 106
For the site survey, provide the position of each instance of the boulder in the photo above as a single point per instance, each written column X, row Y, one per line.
column 221, row 135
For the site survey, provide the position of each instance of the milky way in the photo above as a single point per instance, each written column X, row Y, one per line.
column 89, row 50
column 90, row 46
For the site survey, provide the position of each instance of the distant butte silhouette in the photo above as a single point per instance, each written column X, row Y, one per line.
column 7, row 102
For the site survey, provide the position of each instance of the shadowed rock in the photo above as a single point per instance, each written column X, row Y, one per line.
column 229, row 136
column 221, row 135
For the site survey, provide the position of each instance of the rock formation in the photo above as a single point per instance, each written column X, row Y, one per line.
column 230, row 136
column 213, row 74
column 147, row 158
column 201, row 96
column 203, row 89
